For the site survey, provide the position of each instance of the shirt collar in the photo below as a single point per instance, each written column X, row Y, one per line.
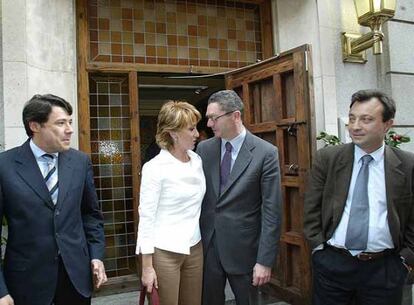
column 38, row 152
column 377, row 155
column 237, row 141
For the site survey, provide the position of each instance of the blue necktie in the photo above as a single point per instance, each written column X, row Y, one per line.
column 51, row 177
column 357, row 232
column 225, row 166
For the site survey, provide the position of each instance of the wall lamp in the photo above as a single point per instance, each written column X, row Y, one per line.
column 371, row 13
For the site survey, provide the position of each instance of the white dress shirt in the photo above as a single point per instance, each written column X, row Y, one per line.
column 236, row 143
column 41, row 161
column 170, row 203
column 379, row 236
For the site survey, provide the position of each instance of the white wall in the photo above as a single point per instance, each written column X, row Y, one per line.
column 39, row 56
column 1, row 88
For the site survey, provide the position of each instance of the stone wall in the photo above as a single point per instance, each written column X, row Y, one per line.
column 320, row 24
column 1, row 88
column 39, row 56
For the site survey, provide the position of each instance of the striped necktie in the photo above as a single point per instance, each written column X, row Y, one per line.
column 51, row 177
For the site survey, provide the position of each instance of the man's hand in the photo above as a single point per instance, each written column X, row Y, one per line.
column 98, row 271
column 6, row 300
column 261, row 274
column 149, row 278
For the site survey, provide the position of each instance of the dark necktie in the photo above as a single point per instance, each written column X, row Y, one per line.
column 358, row 223
column 225, row 166
column 51, row 177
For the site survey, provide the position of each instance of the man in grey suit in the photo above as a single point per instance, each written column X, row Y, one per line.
column 359, row 211
column 241, row 212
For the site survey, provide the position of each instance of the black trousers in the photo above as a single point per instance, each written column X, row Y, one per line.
column 66, row 293
column 339, row 279
column 214, row 281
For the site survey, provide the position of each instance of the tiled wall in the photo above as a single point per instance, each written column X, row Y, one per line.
column 212, row 33
column 111, row 158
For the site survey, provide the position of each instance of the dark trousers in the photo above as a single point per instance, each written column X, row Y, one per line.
column 339, row 279
column 214, row 281
column 66, row 293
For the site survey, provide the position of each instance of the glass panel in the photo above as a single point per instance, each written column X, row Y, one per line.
column 362, row 7
column 388, row 4
column 111, row 157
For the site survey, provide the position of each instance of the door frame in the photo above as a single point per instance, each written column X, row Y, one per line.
column 85, row 67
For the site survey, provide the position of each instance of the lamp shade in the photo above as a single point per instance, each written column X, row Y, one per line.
column 368, row 8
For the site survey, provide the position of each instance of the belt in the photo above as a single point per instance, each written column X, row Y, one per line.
column 363, row 256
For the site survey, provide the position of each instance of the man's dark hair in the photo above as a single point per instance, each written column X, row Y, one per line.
column 39, row 107
column 387, row 102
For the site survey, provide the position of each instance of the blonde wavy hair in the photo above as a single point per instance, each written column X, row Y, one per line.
column 174, row 116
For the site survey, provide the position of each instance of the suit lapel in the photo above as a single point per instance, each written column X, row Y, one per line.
column 394, row 179
column 242, row 161
column 29, row 171
column 343, row 176
column 213, row 163
column 65, row 172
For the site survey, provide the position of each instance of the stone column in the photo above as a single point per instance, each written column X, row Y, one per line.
column 398, row 71
column 39, row 56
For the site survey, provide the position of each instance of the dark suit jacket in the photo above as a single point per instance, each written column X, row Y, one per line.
column 246, row 216
column 38, row 231
column 328, row 189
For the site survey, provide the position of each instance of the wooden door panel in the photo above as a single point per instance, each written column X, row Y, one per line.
column 277, row 98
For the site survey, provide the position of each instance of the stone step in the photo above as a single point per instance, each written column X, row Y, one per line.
column 131, row 298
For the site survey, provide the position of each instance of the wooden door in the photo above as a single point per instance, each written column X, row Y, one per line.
column 278, row 99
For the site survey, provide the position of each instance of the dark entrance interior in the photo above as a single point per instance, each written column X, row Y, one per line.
column 154, row 89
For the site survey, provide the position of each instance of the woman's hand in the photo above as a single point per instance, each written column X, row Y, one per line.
column 149, row 278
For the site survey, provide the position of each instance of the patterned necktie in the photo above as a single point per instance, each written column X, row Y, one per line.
column 357, row 232
column 51, row 177
column 225, row 166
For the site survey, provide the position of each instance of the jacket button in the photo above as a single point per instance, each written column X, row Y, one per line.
column 57, row 235
column 57, row 213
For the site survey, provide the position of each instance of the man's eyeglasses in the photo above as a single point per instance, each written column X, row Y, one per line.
column 215, row 118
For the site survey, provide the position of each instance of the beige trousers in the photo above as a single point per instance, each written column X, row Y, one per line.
column 179, row 276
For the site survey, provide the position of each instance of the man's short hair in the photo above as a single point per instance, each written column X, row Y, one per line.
column 387, row 102
column 39, row 107
column 228, row 100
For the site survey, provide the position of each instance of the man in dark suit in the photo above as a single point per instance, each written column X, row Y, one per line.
column 55, row 226
column 241, row 212
column 359, row 215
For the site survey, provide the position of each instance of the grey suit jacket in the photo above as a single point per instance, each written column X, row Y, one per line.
column 246, row 216
column 328, row 189
column 40, row 232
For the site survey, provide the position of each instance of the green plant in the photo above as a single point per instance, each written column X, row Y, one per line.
column 392, row 139
column 328, row 139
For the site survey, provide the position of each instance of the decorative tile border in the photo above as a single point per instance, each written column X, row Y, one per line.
column 212, row 33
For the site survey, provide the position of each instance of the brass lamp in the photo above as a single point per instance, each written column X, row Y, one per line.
column 371, row 13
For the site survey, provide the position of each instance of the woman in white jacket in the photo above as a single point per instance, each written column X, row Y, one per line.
column 172, row 190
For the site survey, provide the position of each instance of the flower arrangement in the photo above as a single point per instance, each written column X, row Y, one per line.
column 392, row 139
